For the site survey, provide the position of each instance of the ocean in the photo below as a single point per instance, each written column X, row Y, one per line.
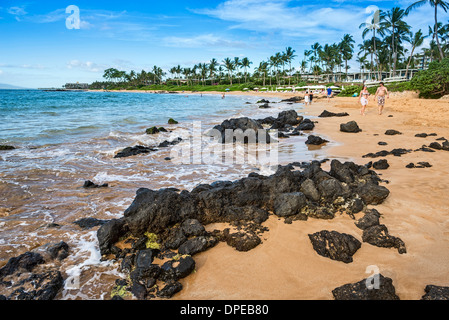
column 63, row 139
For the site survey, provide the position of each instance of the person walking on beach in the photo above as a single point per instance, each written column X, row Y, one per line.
column 311, row 97
column 329, row 94
column 364, row 94
column 381, row 95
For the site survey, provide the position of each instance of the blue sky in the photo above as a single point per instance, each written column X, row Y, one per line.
column 38, row 50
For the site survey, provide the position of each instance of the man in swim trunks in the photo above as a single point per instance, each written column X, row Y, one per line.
column 381, row 95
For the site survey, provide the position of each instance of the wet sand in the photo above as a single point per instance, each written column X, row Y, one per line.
column 286, row 267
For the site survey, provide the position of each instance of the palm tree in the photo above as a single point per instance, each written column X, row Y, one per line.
column 373, row 26
column 186, row 72
column 246, row 64
column 278, row 59
column 289, row 55
column 362, row 62
column 230, row 67
column 237, row 65
column 347, row 49
column 303, row 66
column 213, row 68
column 392, row 22
column 204, row 68
column 316, row 48
column 263, row 68
column 416, row 41
column 435, row 4
column 271, row 64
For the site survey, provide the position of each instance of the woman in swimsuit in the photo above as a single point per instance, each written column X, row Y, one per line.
column 306, row 98
column 364, row 94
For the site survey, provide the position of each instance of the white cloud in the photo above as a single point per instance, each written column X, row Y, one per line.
column 86, row 65
column 286, row 17
column 201, row 41
column 1, row 72
column 23, row 66
column 17, row 11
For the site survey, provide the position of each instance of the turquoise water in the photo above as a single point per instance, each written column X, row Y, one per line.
column 33, row 117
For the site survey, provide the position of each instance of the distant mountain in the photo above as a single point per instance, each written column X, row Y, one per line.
column 9, row 86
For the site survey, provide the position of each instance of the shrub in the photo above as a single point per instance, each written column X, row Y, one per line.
column 433, row 83
column 349, row 91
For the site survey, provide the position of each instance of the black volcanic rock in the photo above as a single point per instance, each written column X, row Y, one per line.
column 335, row 245
column 392, row 132
column 315, row 140
column 233, row 130
column 90, row 185
column 20, row 279
column 327, row 114
column 351, row 127
column 6, row 148
column 133, row 151
column 436, row 293
column 170, row 219
column 89, row 223
column 378, row 236
column 381, row 165
column 365, row 290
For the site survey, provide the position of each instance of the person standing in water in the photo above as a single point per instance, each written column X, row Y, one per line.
column 381, row 95
column 307, row 98
column 364, row 94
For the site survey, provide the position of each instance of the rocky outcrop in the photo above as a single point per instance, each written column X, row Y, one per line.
column 377, row 234
column 90, row 185
column 425, row 135
column 327, row 114
column 296, row 99
column 315, row 140
column 33, row 275
column 351, row 127
column 6, row 148
column 242, row 130
column 366, row 290
column 381, row 165
column 133, row 151
column 392, row 132
column 89, row 223
column 436, row 293
column 395, row 152
column 335, row 245
column 248, row 199
column 172, row 221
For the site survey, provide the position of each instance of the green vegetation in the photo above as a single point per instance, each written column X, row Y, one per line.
column 152, row 241
column 434, row 82
column 120, row 291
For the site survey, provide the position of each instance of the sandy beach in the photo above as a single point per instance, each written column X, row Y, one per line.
column 286, row 267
